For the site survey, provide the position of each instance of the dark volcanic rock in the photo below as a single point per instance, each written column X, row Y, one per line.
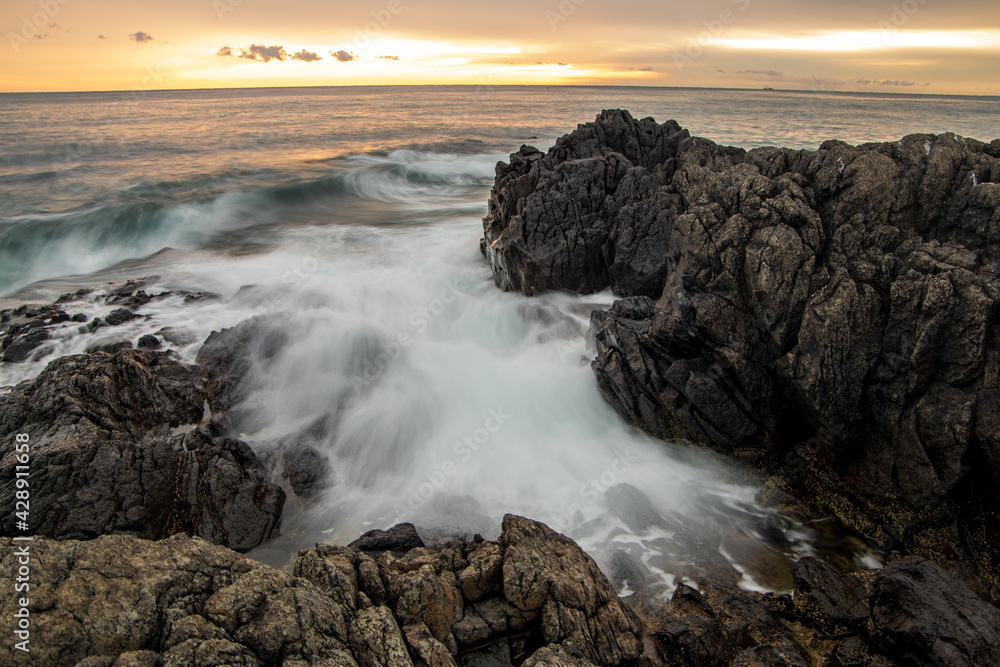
column 835, row 600
column 148, row 342
column 922, row 614
column 119, row 316
column 103, row 459
column 27, row 329
column 833, row 313
column 228, row 358
column 401, row 537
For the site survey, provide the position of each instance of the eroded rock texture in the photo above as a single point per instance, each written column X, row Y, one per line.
column 181, row 601
column 116, row 446
column 829, row 313
column 531, row 598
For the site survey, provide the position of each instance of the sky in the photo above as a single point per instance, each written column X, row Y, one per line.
column 903, row 46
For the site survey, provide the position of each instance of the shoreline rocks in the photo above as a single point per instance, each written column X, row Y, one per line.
column 118, row 446
column 533, row 597
column 831, row 316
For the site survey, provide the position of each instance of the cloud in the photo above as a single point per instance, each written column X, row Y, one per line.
column 306, row 56
column 224, row 51
column 896, row 82
column 641, row 69
column 101, row 37
column 387, row 57
column 264, row 54
column 342, row 56
column 140, row 37
column 757, row 72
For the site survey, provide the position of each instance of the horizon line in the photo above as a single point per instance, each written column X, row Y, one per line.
column 499, row 85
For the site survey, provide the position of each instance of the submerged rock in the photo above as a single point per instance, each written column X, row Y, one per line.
column 27, row 328
column 834, row 314
column 228, row 357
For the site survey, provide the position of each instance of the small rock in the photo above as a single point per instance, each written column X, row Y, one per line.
column 148, row 342
column 400, row 538
column 119, row 316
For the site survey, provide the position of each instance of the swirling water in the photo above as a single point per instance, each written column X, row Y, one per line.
column 351, row 217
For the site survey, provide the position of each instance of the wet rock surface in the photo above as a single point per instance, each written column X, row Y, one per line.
column 109, row 453
column 30, row 331
column 831, row 315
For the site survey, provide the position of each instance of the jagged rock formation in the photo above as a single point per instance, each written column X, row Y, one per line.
column 831, row 314
column 531, row 598
column 105, row 458
column 182, row 601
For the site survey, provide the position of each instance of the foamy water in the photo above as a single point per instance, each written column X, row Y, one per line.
column 437, row 398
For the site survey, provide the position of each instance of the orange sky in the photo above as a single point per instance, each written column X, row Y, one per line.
column 927, row 46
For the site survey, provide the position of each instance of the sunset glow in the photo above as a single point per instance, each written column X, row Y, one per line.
column 114, row 45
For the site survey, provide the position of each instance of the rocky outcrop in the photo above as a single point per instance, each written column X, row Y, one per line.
column 182, row 601
column 911, row 613
column 831, row 315
column 116, row 446
column 923, row 614
column 532, row 597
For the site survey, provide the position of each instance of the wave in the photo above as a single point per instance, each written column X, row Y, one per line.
column 401, row 176
column 153, row 216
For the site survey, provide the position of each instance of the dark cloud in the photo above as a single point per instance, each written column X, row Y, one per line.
column 306, row 56
column 264, row 54
column 224, row 51
column 641, row 69
column 101, row 37
column 756, row 72
column 342, row 56
column 387, row 57
column 896, row 82
column 140, row 37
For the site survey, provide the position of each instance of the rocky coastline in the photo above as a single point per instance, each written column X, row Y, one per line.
column 829, row 316
column 144, row 497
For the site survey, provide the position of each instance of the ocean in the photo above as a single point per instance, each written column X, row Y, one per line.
column 352, row 218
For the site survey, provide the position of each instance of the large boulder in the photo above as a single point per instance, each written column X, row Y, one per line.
column 116, row 447
column 831, row 314
column 547, row 574
column 923, row 614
